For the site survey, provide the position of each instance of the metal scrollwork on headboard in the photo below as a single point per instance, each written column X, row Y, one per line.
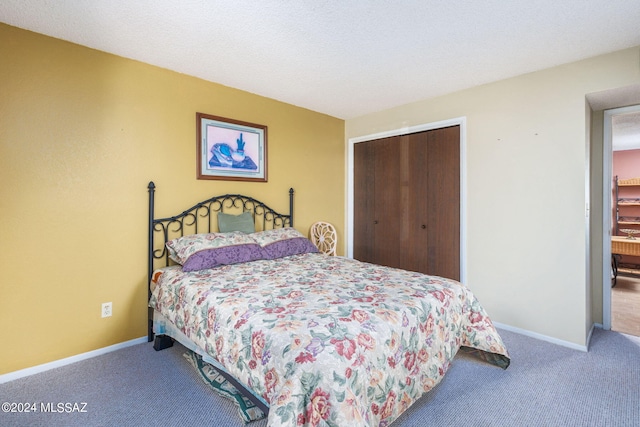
column 200, row 218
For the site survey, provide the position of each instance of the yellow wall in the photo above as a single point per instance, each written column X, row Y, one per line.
column 527, row 143
column 82, row 132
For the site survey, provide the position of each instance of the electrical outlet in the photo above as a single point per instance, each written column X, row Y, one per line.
column 107, row 309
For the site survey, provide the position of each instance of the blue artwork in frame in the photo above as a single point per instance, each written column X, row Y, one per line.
column 230, row 149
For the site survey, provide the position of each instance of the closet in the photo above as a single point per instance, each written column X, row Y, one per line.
column 407, row 201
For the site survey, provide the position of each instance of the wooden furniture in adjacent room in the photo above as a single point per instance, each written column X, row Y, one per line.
column 627, row 204
column 626, row 224
column 625, row 246
column 622, row 246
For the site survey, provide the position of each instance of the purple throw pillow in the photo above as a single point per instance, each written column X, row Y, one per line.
column 288, row 247
column 211, row 258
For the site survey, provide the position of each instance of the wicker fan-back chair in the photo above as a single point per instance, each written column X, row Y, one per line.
column 324, row 236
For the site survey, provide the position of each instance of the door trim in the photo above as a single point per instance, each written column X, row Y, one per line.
column 459, row 121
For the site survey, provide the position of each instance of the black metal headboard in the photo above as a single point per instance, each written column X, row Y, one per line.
column 200, row 218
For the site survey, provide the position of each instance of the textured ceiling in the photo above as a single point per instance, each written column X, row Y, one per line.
column 625, row 131
column 341, row 58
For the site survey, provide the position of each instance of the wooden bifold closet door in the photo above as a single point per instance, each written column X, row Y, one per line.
column 407, row 202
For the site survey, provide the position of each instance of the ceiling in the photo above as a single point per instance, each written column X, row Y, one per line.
column 341, row 58
column 625, row 131
column 625, row 124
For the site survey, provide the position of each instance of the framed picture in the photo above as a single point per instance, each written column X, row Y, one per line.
column 230, row 149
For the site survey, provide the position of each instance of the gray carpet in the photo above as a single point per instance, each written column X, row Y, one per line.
column 546, row 385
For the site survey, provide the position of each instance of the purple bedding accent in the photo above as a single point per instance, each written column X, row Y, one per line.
column 211, row 258
column 210, row 250
column 288, row 247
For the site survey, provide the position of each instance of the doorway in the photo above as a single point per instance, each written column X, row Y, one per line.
column 621, row 132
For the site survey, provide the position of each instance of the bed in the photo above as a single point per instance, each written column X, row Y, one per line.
column 313, row 339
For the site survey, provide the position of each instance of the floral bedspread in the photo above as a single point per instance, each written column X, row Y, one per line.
column 328, row 340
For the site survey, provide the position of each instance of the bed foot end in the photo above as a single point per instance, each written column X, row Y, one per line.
column 162, row 341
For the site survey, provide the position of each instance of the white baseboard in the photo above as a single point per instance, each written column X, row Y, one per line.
column 545, row 337
column 593, row 326
column 68, row 360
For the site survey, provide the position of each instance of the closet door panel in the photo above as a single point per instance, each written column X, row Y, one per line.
column 388, row 204
column 442, row 208
column 363, row 201
column 414, row 250
column 433, row 203
column 376, row 200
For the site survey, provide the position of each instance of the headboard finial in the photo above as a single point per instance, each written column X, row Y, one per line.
column 291, row 207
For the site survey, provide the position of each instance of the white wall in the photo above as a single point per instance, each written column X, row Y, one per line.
column 527, row 157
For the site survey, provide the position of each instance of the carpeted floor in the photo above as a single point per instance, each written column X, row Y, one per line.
column 546, row 385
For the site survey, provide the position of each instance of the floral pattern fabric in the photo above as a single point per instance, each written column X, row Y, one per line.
column 210, row 250
column 267, row 237
column 328, row 341
column 182, row 248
